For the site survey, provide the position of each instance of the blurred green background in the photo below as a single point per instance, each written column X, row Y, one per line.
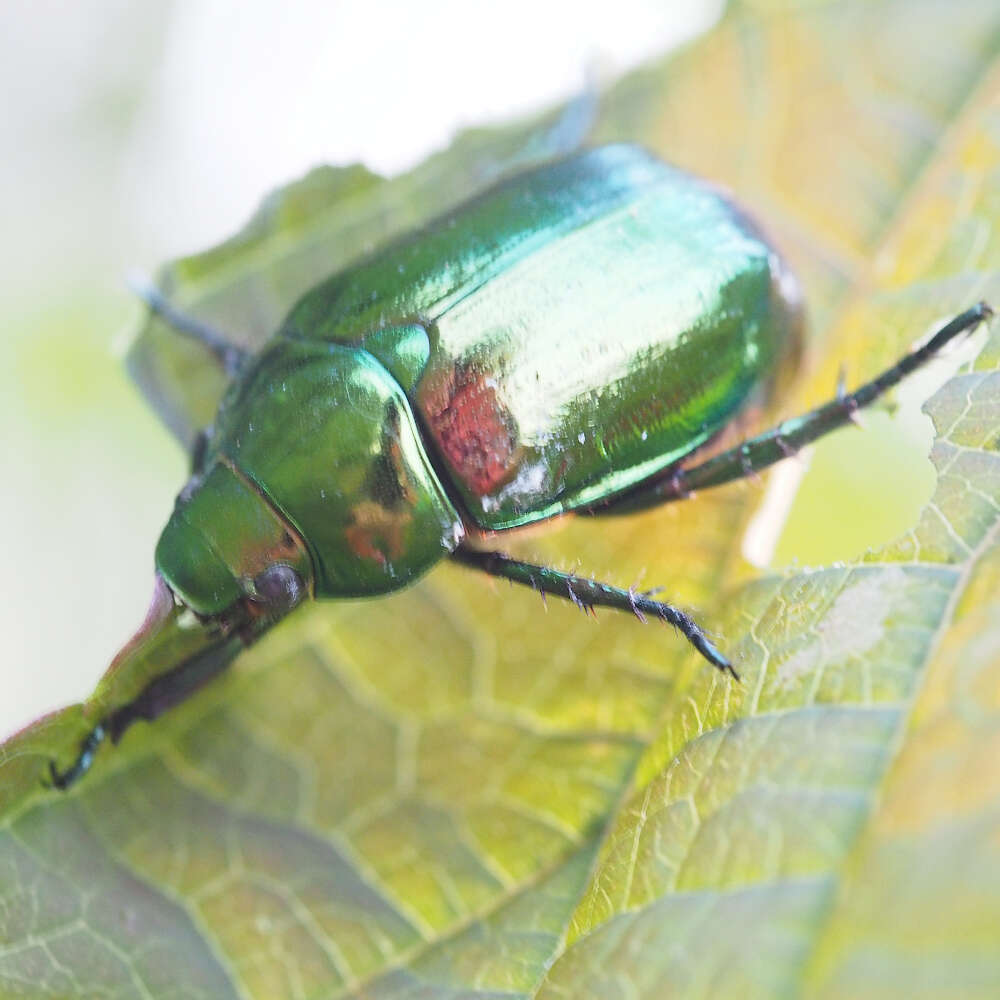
column 134, row 133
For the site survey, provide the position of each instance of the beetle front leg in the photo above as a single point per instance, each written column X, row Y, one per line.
column 160, row 695
column 789, row 436
column 587, row 594
column 84, row 758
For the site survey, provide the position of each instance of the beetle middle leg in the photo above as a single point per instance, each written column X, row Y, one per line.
column 229, row 355
column 587, row 594
column 789, row 436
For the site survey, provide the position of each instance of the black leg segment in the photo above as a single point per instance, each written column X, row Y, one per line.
column 789, row 436
column 587, row 594
column 229, row 355
column 160, row 695
column 88, row 748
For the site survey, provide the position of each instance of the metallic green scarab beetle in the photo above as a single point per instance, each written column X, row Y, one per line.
column 561, row 343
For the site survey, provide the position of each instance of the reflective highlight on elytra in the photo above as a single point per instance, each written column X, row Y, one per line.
column 590, row 323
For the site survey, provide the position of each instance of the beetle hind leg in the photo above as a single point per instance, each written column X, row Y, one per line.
column 588, row 594
column 756, row 454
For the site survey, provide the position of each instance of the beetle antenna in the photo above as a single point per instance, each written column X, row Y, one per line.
column 229, row 355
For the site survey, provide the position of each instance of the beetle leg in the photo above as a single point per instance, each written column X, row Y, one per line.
column 789, row 436
column 229, row 355
column 88, row 748
column 199, row 449
column 585, row 593
column 162, row 693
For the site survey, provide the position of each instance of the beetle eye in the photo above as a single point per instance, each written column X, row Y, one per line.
column 280, row 587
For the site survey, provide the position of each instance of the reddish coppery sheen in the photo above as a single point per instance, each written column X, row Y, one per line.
column 473, row 429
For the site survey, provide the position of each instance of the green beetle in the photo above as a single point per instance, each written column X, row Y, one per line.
column 559, row 344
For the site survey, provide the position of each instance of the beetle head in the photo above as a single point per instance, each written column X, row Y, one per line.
column 315, row 481
column 227, row 556
column 226, row 552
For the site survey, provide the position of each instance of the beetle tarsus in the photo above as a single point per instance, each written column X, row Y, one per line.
column 589, row 594
column 84, row 759
column 712, row 654
column 694, row 635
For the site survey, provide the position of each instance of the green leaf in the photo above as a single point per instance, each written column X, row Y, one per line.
column 451, row 793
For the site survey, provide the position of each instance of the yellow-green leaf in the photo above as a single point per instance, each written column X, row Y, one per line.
column 453, row 792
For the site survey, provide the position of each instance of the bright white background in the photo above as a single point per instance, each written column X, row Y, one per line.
column 132, row 132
